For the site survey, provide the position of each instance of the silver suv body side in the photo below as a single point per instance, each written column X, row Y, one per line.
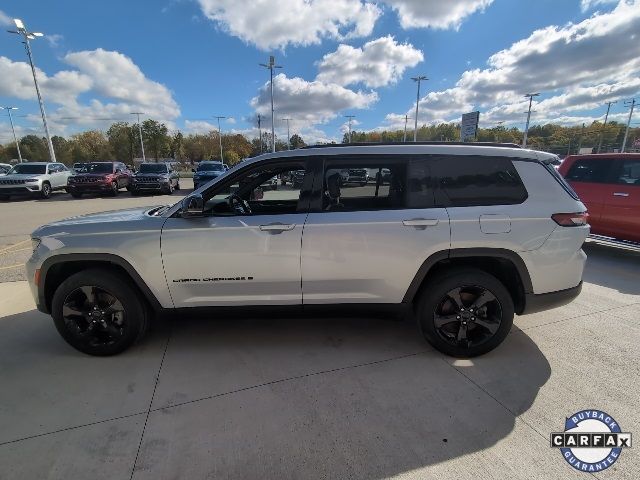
column 30, row 183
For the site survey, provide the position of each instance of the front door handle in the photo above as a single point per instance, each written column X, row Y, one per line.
column 620, row 194
column 420, row 222
column 275, row 228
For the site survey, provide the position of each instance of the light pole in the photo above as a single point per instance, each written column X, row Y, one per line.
column 27, row 35
column 260, row 131
column 417, row 80
column 220, row 136
column 605, row 125
column 498, row 125
column 406, row 119
column 271, row 65
column 8, row 109
column 288, row 136
column 526, row 128
column 631, row 104
column 350, row 117
column 140, row 132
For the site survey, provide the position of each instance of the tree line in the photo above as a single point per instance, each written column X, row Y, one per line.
column 121, row 141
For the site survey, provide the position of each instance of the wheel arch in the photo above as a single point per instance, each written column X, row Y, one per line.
column 506, row 265
column 55, row 270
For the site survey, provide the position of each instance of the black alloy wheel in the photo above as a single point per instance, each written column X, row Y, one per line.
column 99, row 312
column 114, row 189
column 465, row 312
column 94, row 316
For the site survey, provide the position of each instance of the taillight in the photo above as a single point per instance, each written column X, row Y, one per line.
column 578, row 219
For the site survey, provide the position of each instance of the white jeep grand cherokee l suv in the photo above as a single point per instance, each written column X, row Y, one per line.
column 34, row 178
column 459, row 236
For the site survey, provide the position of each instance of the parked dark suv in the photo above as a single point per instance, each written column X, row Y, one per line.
column 100, row 177
column 155, row 177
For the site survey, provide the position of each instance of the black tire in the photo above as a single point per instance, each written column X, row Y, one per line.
column 45, row 192
column 177, row 186
column 76, row 194
column 274, row 186
column 169, row 189
column 134, row 318
column 465, row 327
column 114, row 189
column 4, row 198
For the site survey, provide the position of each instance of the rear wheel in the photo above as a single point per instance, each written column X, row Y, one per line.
column 465, row 313
column 45, row 192
column 98, row 312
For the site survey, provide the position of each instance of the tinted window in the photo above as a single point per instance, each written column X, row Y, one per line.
column 100, row 168
column 360, row 186
column 629, row 173
column 153, row 168
column 471, row 181
column 210, row 167
column 589, row 170
column 25, row 168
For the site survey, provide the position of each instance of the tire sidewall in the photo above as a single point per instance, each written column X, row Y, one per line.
column 135, row 316
column 46, row 190
column 438, row 287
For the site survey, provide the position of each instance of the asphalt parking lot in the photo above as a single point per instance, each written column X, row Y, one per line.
column 308, row 398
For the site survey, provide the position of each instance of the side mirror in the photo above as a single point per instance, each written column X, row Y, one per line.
column 192, row 206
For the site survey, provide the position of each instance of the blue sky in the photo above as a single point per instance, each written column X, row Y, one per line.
column 184, row 61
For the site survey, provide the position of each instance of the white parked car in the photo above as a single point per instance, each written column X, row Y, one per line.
column 459, row 236
column 34, row 178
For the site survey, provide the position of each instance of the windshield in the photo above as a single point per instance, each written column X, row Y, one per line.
column 210, row 167
column 153, row 168
column 25, row 168
column 99, row 168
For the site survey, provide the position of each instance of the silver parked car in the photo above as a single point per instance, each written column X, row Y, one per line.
column 34, row 179
column 459, row 236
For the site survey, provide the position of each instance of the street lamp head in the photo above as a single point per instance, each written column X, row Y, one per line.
column 19, row 24
column 38, row 34
column 529, row 95
column 419, row 78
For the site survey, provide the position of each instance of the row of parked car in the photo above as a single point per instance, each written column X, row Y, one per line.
column 42, row 178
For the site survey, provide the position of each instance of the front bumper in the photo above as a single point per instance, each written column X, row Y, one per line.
column 25, row 189
column 89, row 188
column 149, row 186
column 546, row 301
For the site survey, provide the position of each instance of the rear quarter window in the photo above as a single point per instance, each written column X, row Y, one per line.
column 478, row 181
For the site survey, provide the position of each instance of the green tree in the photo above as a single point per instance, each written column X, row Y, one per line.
column 123, row 140
column 91, row 145
column 297, row 141
column 63, row 149
column 34, row 148
column 155, row 138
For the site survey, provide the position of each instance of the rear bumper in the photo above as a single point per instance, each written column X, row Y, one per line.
column 546, row 301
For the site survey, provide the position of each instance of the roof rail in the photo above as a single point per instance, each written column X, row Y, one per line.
column 373, row 144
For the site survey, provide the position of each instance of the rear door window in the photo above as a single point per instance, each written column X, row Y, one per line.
column 478, row 180
column 589, row 170
column 629, row 173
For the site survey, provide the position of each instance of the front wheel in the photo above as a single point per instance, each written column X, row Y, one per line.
column 465, row 313
column 114, row 189
column 45, row 192
column 177, row 186
column 99, row 312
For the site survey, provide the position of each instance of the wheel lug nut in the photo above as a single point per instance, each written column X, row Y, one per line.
column 458, row 317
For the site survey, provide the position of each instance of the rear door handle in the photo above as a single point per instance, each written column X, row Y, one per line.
column 420, row 222
column 275, row 228
column 620, row 194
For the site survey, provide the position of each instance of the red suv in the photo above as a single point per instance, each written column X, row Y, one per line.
column 609, row 185
column 100, row 177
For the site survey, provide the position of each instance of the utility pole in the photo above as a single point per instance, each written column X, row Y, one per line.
column 271, row 65
column 631, row 104
column 417, row 80
column 526, row 128
column 220, row 136
column 27, row 35
column 580, row 141
column 495, row 135
column 350, row 117
column 260, row 131
column 406, row 119
column 15, row 139
column 288, row 136
column 137, row 114
column 604, row 126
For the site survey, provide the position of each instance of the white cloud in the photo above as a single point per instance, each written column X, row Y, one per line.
column 576, row 66
column 5, row 20
column 115, row 84
column 270, row 24
column 378, row 63
column 54, row 39
column 586, row 5
column 309, row 103
column 435, row 13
